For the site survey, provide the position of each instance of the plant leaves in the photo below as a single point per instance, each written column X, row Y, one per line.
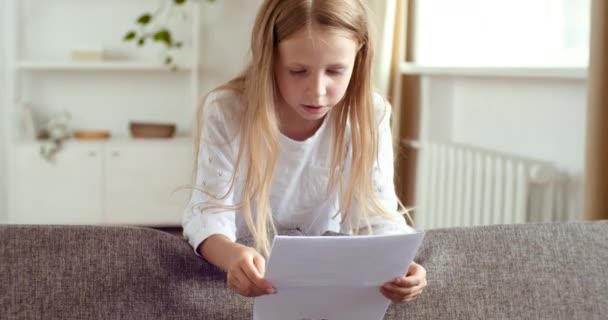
column 144, row 19
column 168, row 60
column 130, row 35
column 164, row 35
column 141, row 41
column 179, row 2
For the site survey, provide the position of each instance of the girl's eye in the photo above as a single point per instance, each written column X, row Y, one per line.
column 335, row 72
column 297, row 72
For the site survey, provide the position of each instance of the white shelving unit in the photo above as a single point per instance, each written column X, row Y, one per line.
column 118, row 181
column 96, row 66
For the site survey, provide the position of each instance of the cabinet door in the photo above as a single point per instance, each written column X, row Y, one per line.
column 66, row 191
column 141, row 183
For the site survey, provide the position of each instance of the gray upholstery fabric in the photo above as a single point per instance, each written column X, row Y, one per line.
column 539, row 271
column 534, row 271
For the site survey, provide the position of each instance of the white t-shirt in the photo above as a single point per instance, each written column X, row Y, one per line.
column 299, row 196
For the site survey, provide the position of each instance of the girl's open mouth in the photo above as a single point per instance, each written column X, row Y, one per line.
column 312, row 108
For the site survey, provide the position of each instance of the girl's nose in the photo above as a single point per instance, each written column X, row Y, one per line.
column 318, row 86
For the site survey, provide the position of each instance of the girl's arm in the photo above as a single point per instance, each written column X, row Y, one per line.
column 212, row 231
column 214, row 171
column 244, row 266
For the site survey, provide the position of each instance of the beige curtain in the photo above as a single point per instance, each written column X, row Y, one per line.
column 404, row 92
column 383, row 12
column 596, row 166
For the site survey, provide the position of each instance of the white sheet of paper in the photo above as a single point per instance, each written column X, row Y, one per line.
column 333, row 277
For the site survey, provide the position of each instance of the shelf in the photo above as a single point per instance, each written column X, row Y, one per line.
column 575, row 73
column 183, row 140
column 97, row 66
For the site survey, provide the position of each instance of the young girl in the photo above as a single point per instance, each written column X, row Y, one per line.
column 299, row 140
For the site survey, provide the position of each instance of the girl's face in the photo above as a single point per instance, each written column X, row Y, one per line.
column 312, row 71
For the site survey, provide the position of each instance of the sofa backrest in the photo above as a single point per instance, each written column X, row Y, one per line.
column 531, row 271
column 552, row 271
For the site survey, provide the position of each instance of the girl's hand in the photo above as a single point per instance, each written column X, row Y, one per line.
column 245, row 274
column 408, row 287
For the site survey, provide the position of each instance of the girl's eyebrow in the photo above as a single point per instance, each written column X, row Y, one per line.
column 337, row 66
column 331, row 66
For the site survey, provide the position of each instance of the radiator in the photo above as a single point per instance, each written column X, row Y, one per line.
column 459, row 185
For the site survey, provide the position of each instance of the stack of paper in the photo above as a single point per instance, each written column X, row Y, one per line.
column 334, row 278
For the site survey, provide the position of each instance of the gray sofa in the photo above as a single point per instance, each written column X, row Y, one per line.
column 536, row 271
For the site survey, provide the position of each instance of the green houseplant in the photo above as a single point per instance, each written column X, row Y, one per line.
column 152, row 28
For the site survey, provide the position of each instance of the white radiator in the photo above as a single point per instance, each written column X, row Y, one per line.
column 460, row 185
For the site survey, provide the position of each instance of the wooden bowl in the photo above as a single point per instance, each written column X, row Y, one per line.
column 92, row 134
column 152, row 130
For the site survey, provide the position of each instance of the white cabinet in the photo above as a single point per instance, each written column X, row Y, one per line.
column 142, row 183
column 119, row 181
column 67, row 191
column 124, row 182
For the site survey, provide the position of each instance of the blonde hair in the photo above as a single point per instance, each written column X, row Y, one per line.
column 259, row 125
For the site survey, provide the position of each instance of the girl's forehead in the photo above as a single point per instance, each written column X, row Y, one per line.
column 311, row 44
column 314, row 33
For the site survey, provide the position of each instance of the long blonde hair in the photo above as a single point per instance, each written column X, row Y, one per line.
column 259, row 125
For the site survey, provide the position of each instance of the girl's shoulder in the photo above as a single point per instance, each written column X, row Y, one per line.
column 223, row 108
column 225, row 101
column 224, row 105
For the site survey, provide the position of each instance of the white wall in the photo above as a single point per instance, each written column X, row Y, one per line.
column 542, row 119
column 225, row 39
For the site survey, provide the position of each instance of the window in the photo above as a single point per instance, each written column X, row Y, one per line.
column 502, row 33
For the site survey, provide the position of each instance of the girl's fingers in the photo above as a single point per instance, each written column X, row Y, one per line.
column 416, row 275
column 412, row 297
column 401, row 290
column 399, row 297
column 254, row 270
column 415, row 269
column 408, row 287
column 412, row 280
column 238, row 282
column 260, row 265
column 254, row 281
column 231, row 282
column 390, row 295
column 409, row 281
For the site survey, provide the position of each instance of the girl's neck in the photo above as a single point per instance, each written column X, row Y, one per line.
column 300, row 132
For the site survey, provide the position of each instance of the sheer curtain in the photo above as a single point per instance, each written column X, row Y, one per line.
column 395, row 23
column 383, row 14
